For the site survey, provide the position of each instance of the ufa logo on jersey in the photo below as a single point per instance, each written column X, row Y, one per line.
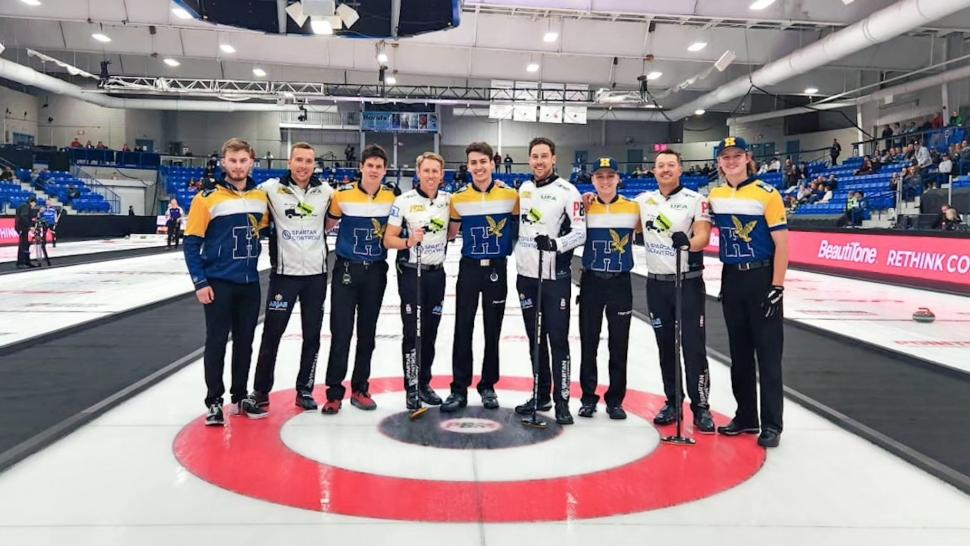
column 619, row 244
column 378, row 228
column 495, row 228
column 743, row 231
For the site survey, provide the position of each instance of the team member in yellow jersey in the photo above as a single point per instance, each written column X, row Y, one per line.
column 487, row 216
column 359, row 277
column 754, row 249
column 611, row 221
column 221, row 251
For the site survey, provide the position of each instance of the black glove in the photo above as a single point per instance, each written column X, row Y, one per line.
column 543, row 242
column 680, row 240
column 772, row 302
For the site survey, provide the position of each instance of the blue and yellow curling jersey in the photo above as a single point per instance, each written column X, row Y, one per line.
column 489, row 220
column 745, row 217
column 363, row 219
column 609, row 235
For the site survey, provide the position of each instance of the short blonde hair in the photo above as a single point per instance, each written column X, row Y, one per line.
column 302, row 146
column 433, row 156
column 236, row 145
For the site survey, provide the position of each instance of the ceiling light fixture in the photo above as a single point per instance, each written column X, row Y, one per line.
column 321, row 27
column 390, row 80
column 259, row 72
column 811, row 90
column 103, row 38
column 550, row 36
column 181, row 13
column 171, row 62
column 696, row 46
column 31, row 3
column 532, row 67
column 761, row 4
column 226, row 48
column 654, row 75
column 699, row 112
column 381, row 53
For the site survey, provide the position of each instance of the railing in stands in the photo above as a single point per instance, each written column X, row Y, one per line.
column 938, row 140
column 109, row 195
column 113, row 158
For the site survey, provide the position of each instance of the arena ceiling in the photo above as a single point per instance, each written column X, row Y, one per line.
column 598, row 42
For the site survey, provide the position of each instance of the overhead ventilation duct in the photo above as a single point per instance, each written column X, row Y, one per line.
column 879, row 27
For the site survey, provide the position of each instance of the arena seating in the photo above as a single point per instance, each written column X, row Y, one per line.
column 58, row 184
column 12, row 195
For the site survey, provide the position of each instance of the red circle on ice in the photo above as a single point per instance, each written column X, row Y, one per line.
column 250, row 458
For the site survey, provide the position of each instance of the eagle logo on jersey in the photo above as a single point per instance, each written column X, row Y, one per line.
column 743, row 231
column 495, row 228
column 378, row 228
column 619, row 244
column 253, row 225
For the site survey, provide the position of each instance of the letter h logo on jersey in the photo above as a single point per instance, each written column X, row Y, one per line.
column 245, row 240
column 737, row 239
column 367, row 241
column 608, row 255
column 485, row 238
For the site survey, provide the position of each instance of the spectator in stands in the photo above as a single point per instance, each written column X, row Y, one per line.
column 497, row 159
column 909, row 152
column 950, row 219
column 637, row 172
column 826, row 195
column 886, row 156
column 462, row 177
column 350, row 154
column 508, row 164
column 855, row 209
column 101, row 146
column 887, row 135
column 922, row 155
column 125, row 148
column 835, row 151
column 956, row 120
column 775, row 165
column 866, row 167
column 6, row 175
column 804, row 194
column 88, row 145
column 131, row 209
column 946, row 166
column 912, row 183
column 791, row 173
column 76, row 143
column 898, row 131
column 937, row 121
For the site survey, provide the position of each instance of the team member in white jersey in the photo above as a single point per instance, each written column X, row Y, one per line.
column 674, row 217
column 553, row 222
column 419, row 218
column 298, row 204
